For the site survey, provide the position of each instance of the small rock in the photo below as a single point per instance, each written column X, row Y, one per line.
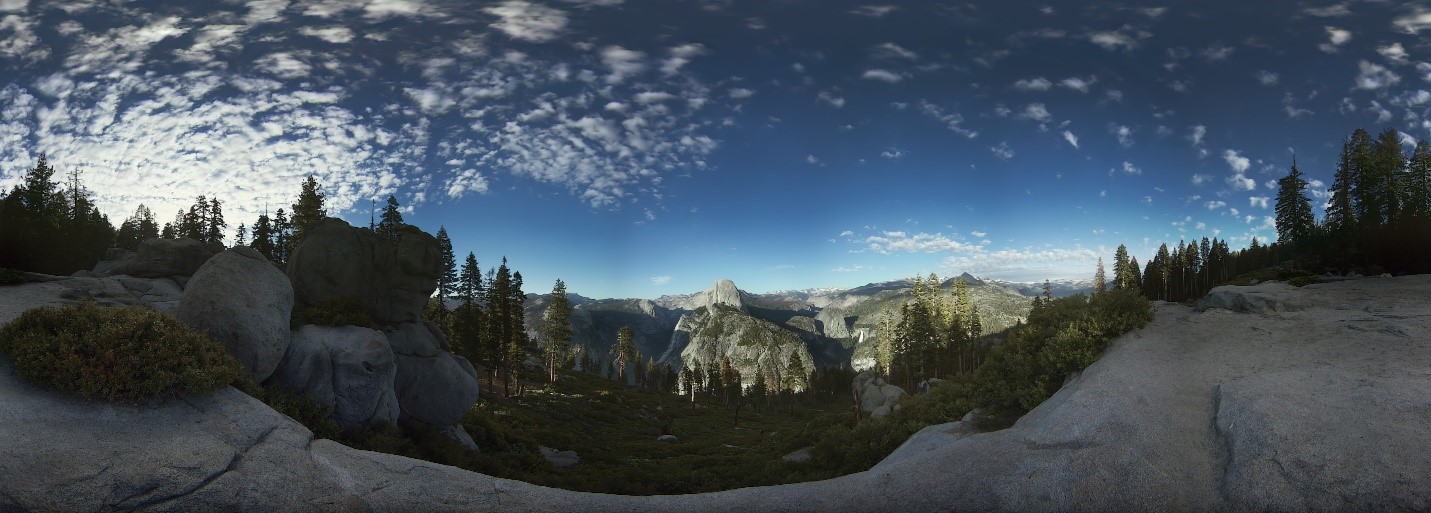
column 557, row 458
column 801, row 455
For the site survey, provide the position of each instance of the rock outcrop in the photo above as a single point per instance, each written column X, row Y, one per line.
column 432, row 385
column 714, row 334
column 159, row 258
column 1315, row 409
column 393, row 280
column 241, row 300
column 347, row 368
column 834, row 322
column 876, row 397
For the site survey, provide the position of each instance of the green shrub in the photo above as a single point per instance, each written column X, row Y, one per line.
column 300, row 407
column 337, row 311
column 125, row 355
column 10, row 276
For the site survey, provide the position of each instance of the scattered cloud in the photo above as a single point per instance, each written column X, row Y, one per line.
column 882, row 75
column 528, row 21
column 1129, row 168
column 902, row 242
column 831, row 99
column 1037, row 112
column 1114, row 40
column 1259, row 201
column 894, row 51
column 1336, row 37
column 1239, row 164
column 1003, row 151
column 951, row 120
column 1374, row 76
column 661, row 280
column 1266, row 78
column 1393, row 52
column 1072, row 139
column 849, row 269
column 1215, row 204
column 1124, row 134
column 1413, row 22
column 1078, row 84
column 1033, row 84
column 1329, row 11
column 741, row 93
column 1196, row 134
column 873, row 11
column 892, row 153
column 813, row 160
column 1199, row 179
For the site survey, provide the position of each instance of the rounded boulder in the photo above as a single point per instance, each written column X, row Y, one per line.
column 347, row 368
column 241, row 300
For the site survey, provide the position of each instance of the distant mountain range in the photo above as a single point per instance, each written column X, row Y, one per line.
column 823, row 326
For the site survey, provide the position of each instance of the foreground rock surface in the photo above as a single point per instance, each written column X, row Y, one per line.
column 1322, row 407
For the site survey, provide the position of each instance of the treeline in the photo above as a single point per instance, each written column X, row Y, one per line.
column 487, row 325
column 1378, row 218
column 50, row 230
column 932, row 335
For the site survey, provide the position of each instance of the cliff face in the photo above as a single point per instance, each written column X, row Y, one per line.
column 752, row 345
column 1308, row 399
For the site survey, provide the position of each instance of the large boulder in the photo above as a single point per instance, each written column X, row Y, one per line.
column 157, row 258
column 433, row 386
column 241, row 300
column 392, row 279
column 347, row 368
column 877, row 398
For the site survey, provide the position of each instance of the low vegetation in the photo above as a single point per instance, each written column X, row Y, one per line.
column 125, row 355
column 10, row 276
column 335, row 311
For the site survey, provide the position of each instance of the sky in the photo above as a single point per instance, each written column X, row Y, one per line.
column 636, row 148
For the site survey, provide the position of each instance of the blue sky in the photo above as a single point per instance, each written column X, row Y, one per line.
column 644, row 147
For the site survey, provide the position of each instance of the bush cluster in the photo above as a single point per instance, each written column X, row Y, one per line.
column 336, row 311
column 10, row 276
column 125, row 355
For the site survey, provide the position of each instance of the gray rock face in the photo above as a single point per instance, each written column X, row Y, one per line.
column 877, row 398
column 751, row 344
column 392, row 281
column 723, row 293
column 158, row 258
column 437, row 390
column 348, row 368
column 241, row 300
column 834, row 322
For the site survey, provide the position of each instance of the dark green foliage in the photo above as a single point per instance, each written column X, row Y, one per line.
column 125, row 355
column 1294, row 211
column 556, row 329
column 337, row 311
column 10, row 276
column 299, row 407
column 48, row 230
column 139, row 227
column 306, row 212
column 391, row 221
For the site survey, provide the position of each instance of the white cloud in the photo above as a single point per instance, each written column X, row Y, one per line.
column 623, row 63
column 1124, row 134
column 902, row 242
column 1217, row 52
column 831, row 98
column 741, row 93
column 1214, row 205
column 1233, row 212
column 1037, row 112
column 680, row 56
column 284, row 65
column 1199, row 179
column 1414, row 22
column 873, row 11
column 1236, row 161
column 1330, row 11
column 1258, row 201
column 848, row 269
column 1072, row 139
column 1129, row 168
column 660, row 280
column 978, row 234
column 13, row 5
column 952, row 120
column 466, row 181
column 1393, row 52
column 1078, row 84
column 18, row 40
column 335, row 35
column 528, row 21
column 1003, row 151
column 1113, row 40
column 1196, row 134
column 1374, row 76
column 894, row 51
column 1267, row 78
column 812, row 160
column 1336, row 37
column 1033, row 84
column 882, row 75
column 892, row 153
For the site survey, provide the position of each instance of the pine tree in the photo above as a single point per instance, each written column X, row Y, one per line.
column 1135, row 276
column 795, row 378
column 556, row 328
column 138, row 228
column 263, row 237
column 1121, row 275
column 1100, row 282
column 241, row 237
column 516, row 344
column 624, row 352
column 447, row 277
column 391, row 220
column 194, row 223
column 282, row 232
column 1293, row 209
column 1418, row 183
column 467, row 319
column 1341, row 211
column 214, row 222
column 307, row 211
